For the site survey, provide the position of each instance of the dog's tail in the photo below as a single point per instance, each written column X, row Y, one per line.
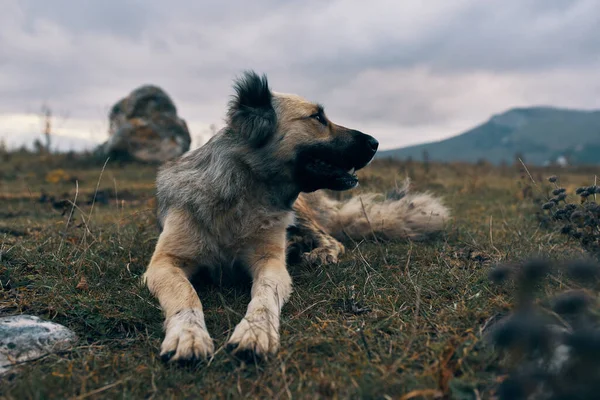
column 398, row 214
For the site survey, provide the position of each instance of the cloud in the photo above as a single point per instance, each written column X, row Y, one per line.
column 406, row 71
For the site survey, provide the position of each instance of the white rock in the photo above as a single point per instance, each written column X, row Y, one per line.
column 26, row 337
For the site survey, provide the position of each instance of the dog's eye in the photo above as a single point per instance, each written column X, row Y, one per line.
column 319, row 117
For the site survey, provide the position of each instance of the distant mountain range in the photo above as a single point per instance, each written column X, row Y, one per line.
column 541, row 135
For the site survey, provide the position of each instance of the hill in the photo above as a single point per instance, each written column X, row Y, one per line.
column 540, row 134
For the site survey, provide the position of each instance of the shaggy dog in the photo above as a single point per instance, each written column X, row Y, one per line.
column 230, row 204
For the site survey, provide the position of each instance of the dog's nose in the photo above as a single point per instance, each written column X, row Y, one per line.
column 373, row 143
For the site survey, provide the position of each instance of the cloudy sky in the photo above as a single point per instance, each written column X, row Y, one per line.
column 404, row 71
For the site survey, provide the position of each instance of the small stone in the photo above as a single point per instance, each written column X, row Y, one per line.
column 26, row 338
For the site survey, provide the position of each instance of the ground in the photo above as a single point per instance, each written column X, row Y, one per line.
column 391, row 320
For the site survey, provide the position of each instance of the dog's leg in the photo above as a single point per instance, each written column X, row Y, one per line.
column 307, row 239
column 308, row 242
column 167, row 277
column 327, row 249
column 257, row 335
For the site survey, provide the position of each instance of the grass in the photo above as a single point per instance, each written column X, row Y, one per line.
column 391, row 320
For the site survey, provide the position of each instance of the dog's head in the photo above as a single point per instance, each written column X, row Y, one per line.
column 316, row 153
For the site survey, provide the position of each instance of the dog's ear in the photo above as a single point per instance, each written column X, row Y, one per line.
column 251, row 111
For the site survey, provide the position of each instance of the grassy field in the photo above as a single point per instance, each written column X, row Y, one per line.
column 391, row 320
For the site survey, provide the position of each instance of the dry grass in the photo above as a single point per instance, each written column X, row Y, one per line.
column 392, row 320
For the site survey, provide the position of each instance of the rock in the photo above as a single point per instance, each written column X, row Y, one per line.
column 25, row 338
column 145, row 126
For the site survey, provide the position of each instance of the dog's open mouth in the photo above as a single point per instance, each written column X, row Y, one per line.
column 332, row 165
column 338, row 177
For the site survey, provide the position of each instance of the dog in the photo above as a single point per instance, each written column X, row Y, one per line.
column 249, row 199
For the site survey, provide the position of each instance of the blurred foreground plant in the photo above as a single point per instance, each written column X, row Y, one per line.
column 552, row 344
column 578, row 220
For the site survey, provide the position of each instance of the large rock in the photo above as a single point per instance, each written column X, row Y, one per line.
column 145, row 126
column 26, row 337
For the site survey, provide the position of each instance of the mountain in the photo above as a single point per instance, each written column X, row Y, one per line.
column 59, row 143
column 540, row 134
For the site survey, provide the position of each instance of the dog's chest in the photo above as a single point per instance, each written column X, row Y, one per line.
column 250, row 223
column 239, row 235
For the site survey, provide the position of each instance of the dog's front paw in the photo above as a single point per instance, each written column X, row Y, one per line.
column 256, row 337
column 324, row 255
column 186, row 339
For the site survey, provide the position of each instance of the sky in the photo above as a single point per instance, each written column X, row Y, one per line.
column 406, row 72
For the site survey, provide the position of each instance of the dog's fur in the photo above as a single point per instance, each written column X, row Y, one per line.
column 322, row 223
column 230, row 203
